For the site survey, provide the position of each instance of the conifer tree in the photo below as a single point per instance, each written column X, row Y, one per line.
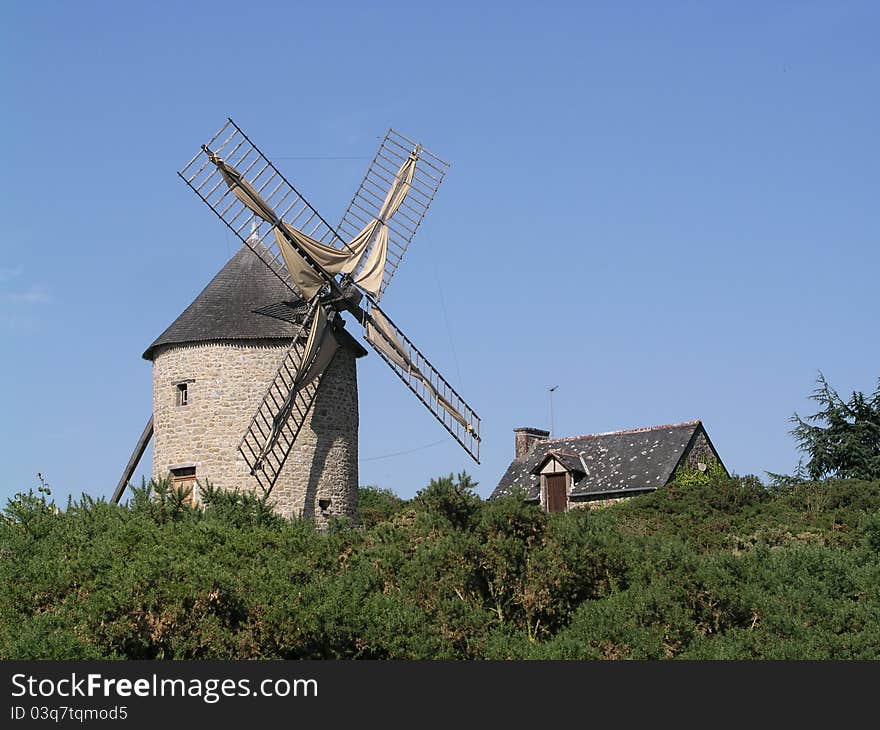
column 842, row 439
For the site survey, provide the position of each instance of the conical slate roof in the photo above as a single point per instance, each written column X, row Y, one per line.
column 225, row 308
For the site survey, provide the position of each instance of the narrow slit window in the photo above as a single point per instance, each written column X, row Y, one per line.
column 182, row 394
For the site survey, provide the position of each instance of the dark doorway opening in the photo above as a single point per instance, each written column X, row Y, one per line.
column 557, row 499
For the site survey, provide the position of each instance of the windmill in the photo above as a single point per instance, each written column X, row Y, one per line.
column 328, row 271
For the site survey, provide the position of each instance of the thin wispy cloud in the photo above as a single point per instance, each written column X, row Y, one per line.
column 34, row 295
column 8, row 273
column 16, row 323
column 18, row 301
column 18, row 308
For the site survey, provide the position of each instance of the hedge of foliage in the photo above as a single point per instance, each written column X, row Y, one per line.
column 712, row 568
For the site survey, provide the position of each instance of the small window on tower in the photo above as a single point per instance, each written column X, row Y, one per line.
column 182, row 394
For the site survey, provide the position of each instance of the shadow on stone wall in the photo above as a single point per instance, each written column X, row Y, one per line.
column 334, row 459
column 316, row 470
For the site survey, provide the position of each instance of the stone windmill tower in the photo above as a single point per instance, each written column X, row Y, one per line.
column 211, row 369
column 254, row 384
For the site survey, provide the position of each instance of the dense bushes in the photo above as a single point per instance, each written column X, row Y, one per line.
column 705, row 568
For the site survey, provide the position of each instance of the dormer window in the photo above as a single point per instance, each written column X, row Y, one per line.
column 558, row 470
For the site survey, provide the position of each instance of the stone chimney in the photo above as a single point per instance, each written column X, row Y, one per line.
column 525, row 437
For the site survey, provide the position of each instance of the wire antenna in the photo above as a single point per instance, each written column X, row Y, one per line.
column 551, row 390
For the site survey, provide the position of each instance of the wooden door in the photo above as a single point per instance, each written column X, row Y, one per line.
column 557, row 499
column 184, row 479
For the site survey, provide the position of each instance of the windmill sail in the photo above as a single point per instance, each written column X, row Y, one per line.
column 380, row 334
column 332, row 260
column 239, row 183
column 266, row 463
column 242, row 189
column 423, row 379
column 308, row 278
column 370, row 277
column 319, row 350
column 407, row 204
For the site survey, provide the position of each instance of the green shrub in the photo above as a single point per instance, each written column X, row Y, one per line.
column 708, row 567
column 377, row 505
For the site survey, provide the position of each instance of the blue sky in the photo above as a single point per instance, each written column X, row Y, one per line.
column 669, row 210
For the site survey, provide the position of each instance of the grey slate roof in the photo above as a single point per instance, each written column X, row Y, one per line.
column 226, row 308
column 620, row 461
column 288, row 311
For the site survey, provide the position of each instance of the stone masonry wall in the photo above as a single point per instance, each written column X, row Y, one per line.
column 525, row 438
column 700, row 455
column 599, row 503
column 228, row 384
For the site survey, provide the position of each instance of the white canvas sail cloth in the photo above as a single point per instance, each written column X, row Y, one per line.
column 332, row 260
column 304, row 277
column 320, row 348
column 380, row 332
column 243, row 190
column 373, row 271
column 373, row 236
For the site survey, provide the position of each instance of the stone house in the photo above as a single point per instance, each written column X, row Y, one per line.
column 596, row 469
column 212, row 367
